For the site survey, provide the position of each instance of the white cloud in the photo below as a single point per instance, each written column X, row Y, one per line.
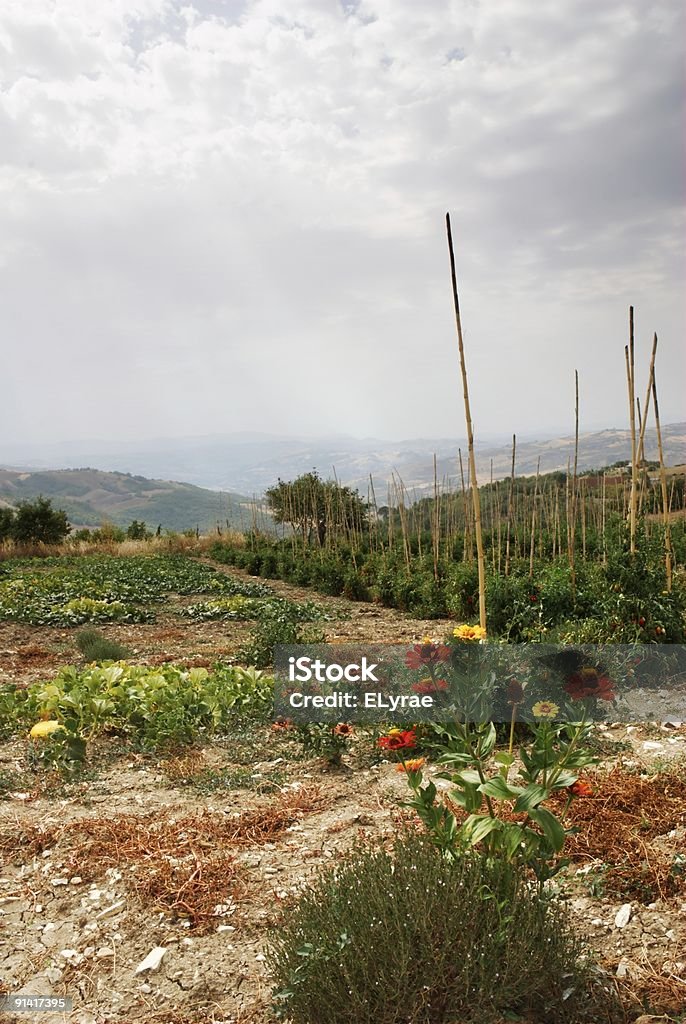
column 238, row 191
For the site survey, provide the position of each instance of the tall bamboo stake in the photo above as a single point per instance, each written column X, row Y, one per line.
column 533, row 521
column 436, row 522
column 663, row 485
column 470, row 436
column 510, row 496
column 630, row 365
column 572, row 530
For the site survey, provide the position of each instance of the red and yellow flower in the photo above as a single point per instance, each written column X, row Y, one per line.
column 399, row 739
column 580, row 788
column 427, row 653
column 588, row 682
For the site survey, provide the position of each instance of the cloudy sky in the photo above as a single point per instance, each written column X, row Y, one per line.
column 228, row 215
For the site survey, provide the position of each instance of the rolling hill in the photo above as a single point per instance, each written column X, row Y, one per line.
column 91, row 496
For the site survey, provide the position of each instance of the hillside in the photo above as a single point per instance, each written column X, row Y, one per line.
column 90, row 496
column 249, row 463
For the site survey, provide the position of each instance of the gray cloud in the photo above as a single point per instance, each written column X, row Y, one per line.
column 220, row 217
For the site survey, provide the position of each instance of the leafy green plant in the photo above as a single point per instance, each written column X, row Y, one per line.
column 409, row 937
column 152, row 708
column 550, row 762
column 325, row 740
column 259, row 648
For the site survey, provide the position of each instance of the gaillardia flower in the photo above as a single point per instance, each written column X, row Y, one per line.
column 430, row 686
column 469, row 632
column 588, row 682
column 425, row 654
column 399, row 739
column 415, row 764
column 545, row 709
column 580, row 788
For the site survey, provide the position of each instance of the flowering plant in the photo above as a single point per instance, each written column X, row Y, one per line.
column 507, row 817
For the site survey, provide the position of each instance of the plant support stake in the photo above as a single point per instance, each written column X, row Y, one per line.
column 470, row 437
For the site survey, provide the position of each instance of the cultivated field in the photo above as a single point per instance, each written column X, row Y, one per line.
column 170, row 813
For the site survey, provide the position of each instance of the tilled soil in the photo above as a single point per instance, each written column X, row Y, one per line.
column 78, row 923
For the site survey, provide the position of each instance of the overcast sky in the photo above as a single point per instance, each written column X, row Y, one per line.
column 229, row 215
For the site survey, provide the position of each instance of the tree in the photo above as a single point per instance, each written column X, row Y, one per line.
column 6, row 520
column 313, row 506
column 38, row 522
column 137, row 530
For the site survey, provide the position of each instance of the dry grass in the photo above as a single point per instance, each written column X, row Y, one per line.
column 184, row 866
column 621, row 825
column 173, row 544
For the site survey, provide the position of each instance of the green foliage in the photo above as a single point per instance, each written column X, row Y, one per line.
column 265, row 608
column 95, row 647
column 137, row 530
column 154, row 708
column 37, row 522
column 313, row 506
column 324, row 740
column 259, row 649
column 605, row 602
column 52, row 591
column 550, row 762
column 6, row 520
column 63, row 752
column 408, row 937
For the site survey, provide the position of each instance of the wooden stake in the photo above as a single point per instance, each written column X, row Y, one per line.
column 572, row 530
column 629, row 356
column 510, row 497
column 470, row 436
column 663, row 485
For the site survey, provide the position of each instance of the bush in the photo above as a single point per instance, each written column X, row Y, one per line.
column 95, row 647
column 259, row 649
column 410, row 938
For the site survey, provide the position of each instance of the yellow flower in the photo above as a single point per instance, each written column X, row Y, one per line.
column 45, row 728
column 415, row 764
column 545, row 709
column 394, row 732
column 470, row 632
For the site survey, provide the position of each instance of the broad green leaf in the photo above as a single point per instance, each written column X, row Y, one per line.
column 552, row 829
column 532, row 796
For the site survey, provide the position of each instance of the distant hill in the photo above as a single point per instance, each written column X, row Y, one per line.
column 89, row 496
column 249, row 463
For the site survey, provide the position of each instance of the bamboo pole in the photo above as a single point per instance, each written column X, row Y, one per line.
column 663, row 485
column 533, row 521
column 470, row 435
column 571, row 536
column 436, row 522
column 510, row 496
column 630, row 366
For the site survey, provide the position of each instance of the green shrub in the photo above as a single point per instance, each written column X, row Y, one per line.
column 259, row 649
column 410, row 938
column 95, row 647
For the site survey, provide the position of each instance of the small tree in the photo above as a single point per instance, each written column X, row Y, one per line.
column 137, row 530
column 315, row 506
column 38, row 522
column 6, row 520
